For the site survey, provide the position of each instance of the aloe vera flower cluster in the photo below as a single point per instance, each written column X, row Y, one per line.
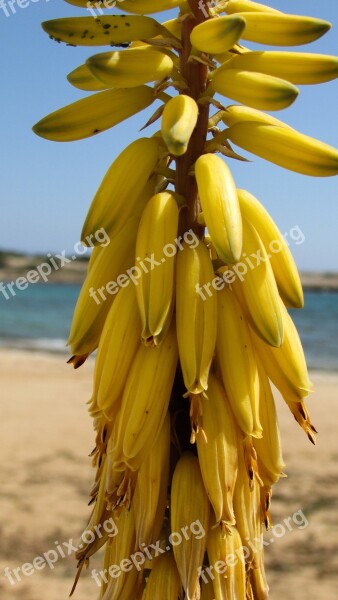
column 185, row 419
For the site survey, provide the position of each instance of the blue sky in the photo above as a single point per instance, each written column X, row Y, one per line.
column 46, row 187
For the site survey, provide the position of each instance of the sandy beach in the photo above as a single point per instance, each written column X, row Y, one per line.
column 46, row 476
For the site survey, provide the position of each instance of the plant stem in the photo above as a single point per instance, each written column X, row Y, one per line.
column 196, row 77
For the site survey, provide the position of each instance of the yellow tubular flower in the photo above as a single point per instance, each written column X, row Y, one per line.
column 230, row 581
column 219, row 202
column 103, row 31
column 268, row 447
column 286, row 366
column 236, row 6
column 244, row 503
column 94, row 114
column 282, row 30
column 217, row 35
column 155, row 287
column 133, row 6
column 255, row 286
column 118, row 345
column 217, row 451
column 297, row 67
column 283, row 265
column 151, row 480
column 237, row 363
column 100, row 288
column 236, row 113
column 131, row 67
column 287, row 148
column 189, row 504
column 258, row 582
column 164, row 581
column 196, row 316
column 174, row 26
column 178, row 123
column 82, row 79
column 116, row 192
column 254, row 89
column 150, row 380
column 121, row 547
column 150, row 6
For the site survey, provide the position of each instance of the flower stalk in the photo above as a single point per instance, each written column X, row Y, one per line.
column 196, row 76
column 192, row 326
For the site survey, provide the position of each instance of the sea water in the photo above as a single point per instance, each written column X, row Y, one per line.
column 39, row 318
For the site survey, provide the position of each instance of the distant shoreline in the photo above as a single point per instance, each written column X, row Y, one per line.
column 319, row 282
column 18, row 352
column 14, row 265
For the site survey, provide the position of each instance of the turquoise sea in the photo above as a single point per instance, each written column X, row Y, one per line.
column 39, row 317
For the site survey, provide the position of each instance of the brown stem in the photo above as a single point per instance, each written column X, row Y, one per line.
column 196, row 77
column 200, row 9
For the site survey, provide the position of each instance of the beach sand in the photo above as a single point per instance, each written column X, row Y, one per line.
column 46, row 476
